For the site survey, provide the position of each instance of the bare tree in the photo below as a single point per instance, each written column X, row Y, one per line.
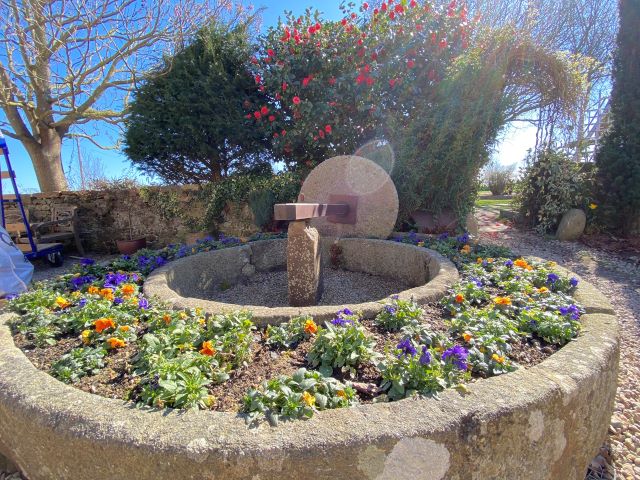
column 584, row 31
column 65, row 63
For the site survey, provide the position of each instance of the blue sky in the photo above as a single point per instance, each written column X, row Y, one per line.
column 511, row 149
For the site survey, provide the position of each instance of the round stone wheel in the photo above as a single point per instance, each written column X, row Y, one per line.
column 377, row 208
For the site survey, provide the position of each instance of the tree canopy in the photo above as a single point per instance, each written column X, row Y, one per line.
column 187, row 120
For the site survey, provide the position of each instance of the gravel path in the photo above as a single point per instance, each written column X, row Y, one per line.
column 619, row 279
column 341, row 287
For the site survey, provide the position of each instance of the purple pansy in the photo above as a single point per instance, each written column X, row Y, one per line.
column 458, row 356
column 406, row 347
column 425, row 358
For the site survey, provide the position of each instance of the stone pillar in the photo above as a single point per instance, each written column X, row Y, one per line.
column 303, row 264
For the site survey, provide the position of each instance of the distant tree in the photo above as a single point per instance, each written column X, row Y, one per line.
column 65, row 63
column 618, row 158
column 187, row 121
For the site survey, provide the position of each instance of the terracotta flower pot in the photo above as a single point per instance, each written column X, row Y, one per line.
column 127, row 247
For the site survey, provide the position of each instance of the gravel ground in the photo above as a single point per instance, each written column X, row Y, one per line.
column 341, row 287
column 619, row 279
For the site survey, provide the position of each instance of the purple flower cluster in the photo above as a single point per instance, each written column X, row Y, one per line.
column 552, row 278
column 87, row 262
column 390, row 309
column 508, row 264
column 464, row 238
column 78, row 282
column 112, row 280
column 340, row 321
column 572, row 310
column 458, row 356
column 406, row 347
column 573, row 282
column 443, row 236
column 425, row 358
column 143, row 303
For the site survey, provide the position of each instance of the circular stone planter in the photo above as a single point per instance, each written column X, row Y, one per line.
column 546, row 422
column 188, row 282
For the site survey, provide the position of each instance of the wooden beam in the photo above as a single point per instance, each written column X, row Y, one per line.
column 305, row 211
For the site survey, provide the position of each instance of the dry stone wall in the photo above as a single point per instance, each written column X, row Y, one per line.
column 105, row 216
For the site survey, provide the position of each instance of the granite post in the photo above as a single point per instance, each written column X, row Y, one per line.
column 303, row 264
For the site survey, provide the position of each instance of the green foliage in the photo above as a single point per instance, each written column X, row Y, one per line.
column 297, row 396
column 343, row 345
column 424, row 373
column 261, row 203
column 551, row 184
column 618, row 158
column 289, row 334
column 284, row 188
column 498, row 178
column 78, row 363
column 398, row 313
column 186, row 121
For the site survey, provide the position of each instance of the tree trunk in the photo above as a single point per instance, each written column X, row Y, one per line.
column 47, row 161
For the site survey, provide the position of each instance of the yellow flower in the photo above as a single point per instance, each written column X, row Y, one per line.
column 75, row 294
column 62, row 302
column 593, row 206
column 202, row 321
column 116, row 342
column 341, row 394
column 86, row 334
column 466, row 249
column 551, row 263
column 420, row 244
column 489, row 260
column 183, row 315
column 502, row 301
column 467, row 337
column 124, row 328
column 497, row 358
column 543, row 290
column 309, row 399
column 479, row 260
column 93, row 290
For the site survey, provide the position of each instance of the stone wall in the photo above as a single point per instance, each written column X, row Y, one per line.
column 109, row 215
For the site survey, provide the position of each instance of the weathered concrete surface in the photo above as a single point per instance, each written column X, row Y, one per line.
column 352, row 175
column 303, row 264
column 544, row 423
column 188, row 282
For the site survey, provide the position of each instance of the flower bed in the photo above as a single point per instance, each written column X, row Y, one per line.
column 95, row 329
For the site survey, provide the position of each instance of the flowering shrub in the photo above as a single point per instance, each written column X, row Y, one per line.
column 398, row 313
column 329, row 84
column 297, row 396
column 288, row 334
column 409, row 370
column 343, row 344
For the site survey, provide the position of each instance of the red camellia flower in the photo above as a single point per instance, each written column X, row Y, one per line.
column 354, row 16
column 306, row 80
column 365, row 6
column 272, row 118
column 411, row 63
column 434, row 38
column 383, row 7
column 284, row 86
column 374, row 56
column 312, row 30
column 283, row 133
column 360, row 41
column 343, row 22
column 254, row 60
column 296, row 100
column 418, row 27
column 413, row 4
column 332, row 81
column 392, row 15
column 318, row 27
column 257, row 115
column 264, row 110
column 399, row 8
column 321, row 133
column 443, row 43
column 270, row 52
column 278, row 96
column 392, row 82
column 248, row 116
column 258, row 78
column 327, row 128
column 376, row 11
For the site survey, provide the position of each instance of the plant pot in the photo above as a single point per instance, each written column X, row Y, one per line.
column 127, row 247
column 193, row 237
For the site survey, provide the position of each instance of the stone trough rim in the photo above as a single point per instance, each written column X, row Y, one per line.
column 67, row 412
column 156, row 285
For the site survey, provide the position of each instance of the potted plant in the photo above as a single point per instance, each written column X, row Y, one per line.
column 131, row 245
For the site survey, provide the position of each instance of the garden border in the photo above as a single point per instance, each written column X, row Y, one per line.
column 545, row 422
column 360, row 255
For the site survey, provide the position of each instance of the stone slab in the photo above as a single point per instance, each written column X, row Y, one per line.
column 571, row 225
column 351, row 175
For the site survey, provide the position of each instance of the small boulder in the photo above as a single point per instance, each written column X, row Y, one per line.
column 572, row 225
